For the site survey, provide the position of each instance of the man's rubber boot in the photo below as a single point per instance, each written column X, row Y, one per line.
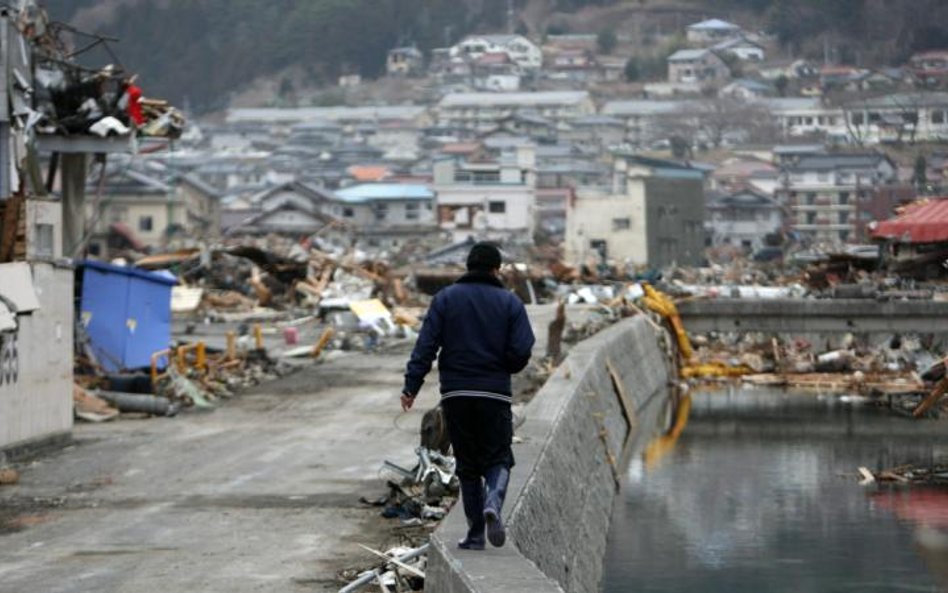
column 496, row 486
column 472, row 497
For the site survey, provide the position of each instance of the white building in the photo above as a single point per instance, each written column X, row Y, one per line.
column 743, row 219
column 906, row 117
column 521, row 50
column 494, row 199
column 653, row 216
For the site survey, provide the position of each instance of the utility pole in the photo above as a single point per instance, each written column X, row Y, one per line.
column 511, row 26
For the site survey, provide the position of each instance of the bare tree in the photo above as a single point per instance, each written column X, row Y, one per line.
column 713, row 121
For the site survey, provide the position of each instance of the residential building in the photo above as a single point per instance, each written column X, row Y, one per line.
column 653, row 216
column 915, row 243
column 521, row 50
column 490, row 197
column 644, row 118
column 743, row 218
column 483, row 111
column 789, row 69
column 900, row 117
column 279, row 120
column 293, row 208
column 386, row 215
column 495, row 72
column 746, row 89
column 831, row 197
column 741, row 48
column 711, row 31
column 700, row 67
column 737, row 174
column 571, row 64
column 404, row 61
column 202, row 203
column 136, row 211
column 929, row 67
column 807, row 116
column 526, row 125
column 595, row 131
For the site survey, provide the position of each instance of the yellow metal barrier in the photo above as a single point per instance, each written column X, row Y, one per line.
column 179, row 357
column 664, row 306
column 155, row 375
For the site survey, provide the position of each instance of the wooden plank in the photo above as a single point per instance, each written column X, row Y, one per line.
column 11, row 219
column 628, row 408
column 932, row 398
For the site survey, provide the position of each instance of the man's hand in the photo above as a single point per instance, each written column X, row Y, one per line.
column 407, row 401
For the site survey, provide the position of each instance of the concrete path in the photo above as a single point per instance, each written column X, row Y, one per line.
column 261, row 494
column 258, row 495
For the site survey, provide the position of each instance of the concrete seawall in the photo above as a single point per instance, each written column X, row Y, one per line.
column 827, row 317
column 607, row 400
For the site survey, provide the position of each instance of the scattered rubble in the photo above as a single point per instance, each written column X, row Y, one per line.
column 933, row 474
column 419, row 497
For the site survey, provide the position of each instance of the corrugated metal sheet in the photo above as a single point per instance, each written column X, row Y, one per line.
column 925, row 222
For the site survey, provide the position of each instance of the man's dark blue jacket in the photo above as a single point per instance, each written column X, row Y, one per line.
column 483, row 334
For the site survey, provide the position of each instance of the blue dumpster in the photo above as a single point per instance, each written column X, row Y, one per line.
column 126, row 313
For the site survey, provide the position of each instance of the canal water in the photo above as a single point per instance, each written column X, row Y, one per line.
column 761, row 494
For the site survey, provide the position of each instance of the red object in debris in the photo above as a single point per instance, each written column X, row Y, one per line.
column 135, row 104
column 291, row 336
column 922, row 222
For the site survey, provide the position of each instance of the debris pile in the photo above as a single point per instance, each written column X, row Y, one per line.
column 422, row 494
column 419, row 498
column 69, row 99
column 402, row 569
column 194, row 377
column 933, row 474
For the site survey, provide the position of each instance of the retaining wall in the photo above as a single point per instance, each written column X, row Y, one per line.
column 36, row 364
column 577, row 438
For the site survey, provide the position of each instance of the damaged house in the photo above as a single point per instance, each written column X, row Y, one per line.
column 915, row 243
column 293, row 208
column 51, row 108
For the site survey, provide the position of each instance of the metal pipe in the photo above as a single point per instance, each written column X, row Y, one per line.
column 370, row 575
column 140, row 403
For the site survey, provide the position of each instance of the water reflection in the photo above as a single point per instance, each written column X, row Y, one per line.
column 760, row 495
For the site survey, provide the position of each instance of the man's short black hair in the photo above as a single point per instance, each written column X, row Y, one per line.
column 484, row 257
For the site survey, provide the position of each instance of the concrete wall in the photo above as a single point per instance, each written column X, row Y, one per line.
column 563, row 487
column 36, row 363
column 828, row 317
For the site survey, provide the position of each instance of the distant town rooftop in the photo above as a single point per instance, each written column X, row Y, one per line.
column 540, row 98
column 276, row 115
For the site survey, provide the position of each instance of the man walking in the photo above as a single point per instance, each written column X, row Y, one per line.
column 484, row 336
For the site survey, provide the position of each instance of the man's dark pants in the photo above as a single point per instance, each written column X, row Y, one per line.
column 481, row 431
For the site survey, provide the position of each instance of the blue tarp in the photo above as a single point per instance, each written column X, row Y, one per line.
column 126, row 313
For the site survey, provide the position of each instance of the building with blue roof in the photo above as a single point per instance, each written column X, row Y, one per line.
column 386, row 214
